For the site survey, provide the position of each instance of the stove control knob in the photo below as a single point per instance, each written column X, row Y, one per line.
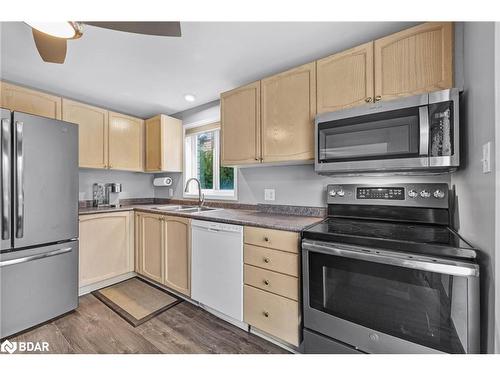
column 341, row 193
column 439, row 194
column 412, row 193
column 332, row 193
column 425, row 194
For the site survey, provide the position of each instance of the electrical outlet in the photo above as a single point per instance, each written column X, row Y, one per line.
column 269, row 194
column 170, row 192
column 486, row 160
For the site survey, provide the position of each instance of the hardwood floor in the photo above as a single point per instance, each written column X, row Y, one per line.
column 94, row 328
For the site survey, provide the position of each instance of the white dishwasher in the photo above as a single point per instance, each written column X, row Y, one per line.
column 217, row 267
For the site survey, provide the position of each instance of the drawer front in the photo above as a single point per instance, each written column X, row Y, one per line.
column 273, row 260
column 274, row 239
column 286, row 286
column 278, row 316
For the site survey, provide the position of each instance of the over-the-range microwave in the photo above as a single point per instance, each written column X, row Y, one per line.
column 417, row 134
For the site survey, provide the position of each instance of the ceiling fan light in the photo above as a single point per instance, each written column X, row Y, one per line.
column 63, row 30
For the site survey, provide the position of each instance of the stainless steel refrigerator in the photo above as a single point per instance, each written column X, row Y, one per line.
column 39, row 220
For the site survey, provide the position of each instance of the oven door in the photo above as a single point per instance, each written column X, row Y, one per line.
column 388, row 302
column 392, row 136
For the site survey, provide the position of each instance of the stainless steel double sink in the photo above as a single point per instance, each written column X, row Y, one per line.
column 186, row 209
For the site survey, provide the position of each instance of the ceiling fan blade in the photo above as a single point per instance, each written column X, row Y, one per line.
column 148, row 28
column 51, row 49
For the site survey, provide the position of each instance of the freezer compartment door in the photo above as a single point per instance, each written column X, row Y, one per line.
column 45, row 180
column 37, row 285
column 5, row 179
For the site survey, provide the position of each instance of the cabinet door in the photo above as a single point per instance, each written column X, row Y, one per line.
column 288, row 110
column 414, row 61
column 21, row 99
column 164, row 144
column 240, row 125
column 177, row 242
column 92, row 132
column 345, row 79
column 106, row 246
column 150, row 247
column 125, row 142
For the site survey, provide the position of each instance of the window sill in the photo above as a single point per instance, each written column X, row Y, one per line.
column 210, row 197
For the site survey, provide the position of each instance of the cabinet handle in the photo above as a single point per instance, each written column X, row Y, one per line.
column 266, row 239
column 266, row 314
column 257, row 159
column 378, row 98
column 369, row 99
column 266, row 260
column 266, row 282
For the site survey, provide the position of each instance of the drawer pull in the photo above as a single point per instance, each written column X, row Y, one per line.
column 266, row 314
column 266, row 282
column 266, row 239
column 266, row 260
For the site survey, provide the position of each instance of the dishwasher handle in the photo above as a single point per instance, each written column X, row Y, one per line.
column 215, row 227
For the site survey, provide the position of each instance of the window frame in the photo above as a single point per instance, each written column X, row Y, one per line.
column 210, row 194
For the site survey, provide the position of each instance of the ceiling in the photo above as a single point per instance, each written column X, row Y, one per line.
column 146, row 75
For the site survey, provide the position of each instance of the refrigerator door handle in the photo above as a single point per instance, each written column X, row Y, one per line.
column 5, row 179
column 35, row 257
column 19, row 181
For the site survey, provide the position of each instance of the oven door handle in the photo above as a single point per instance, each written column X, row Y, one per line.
column 413, row 261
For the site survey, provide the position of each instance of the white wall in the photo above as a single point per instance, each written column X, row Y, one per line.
column 134, row 185
column 476, row 190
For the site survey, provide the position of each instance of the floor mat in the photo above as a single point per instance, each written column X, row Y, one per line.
column 136, row 300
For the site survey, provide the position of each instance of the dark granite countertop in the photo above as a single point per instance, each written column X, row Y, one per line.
column 251, row 217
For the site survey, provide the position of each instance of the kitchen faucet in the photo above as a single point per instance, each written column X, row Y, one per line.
column 201, row 196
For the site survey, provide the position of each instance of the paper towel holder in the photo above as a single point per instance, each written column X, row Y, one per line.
column 162, row 181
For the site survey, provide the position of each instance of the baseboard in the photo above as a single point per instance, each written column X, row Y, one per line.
column 274, row 340
column 103, row 284
column 238, row 323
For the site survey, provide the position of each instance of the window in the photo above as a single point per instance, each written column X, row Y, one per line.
column 202, row 160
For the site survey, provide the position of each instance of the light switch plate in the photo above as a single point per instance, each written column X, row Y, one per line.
column 269, row 194
column 486, row 160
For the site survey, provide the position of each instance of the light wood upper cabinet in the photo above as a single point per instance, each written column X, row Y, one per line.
column 21, row 99
column 106, row 246
column 149, row 232
column 288, row 110
column 414, row 61
column 126, row 138
column 92, row 132
column 164, row 144
column 177, row 249
column 345, row 79
column 240, row 125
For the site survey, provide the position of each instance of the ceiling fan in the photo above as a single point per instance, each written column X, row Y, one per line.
column 51, row 37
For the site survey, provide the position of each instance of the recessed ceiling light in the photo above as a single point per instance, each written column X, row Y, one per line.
column 64, row 30
column 189, row 97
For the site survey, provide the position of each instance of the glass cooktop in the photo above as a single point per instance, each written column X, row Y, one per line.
column 419, row 238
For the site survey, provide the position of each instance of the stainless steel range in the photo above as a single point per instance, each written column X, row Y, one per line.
column 385, row 273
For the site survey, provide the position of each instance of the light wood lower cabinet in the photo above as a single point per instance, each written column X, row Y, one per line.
column 163, row 250
column 126, row 138
column 271, row 301
column 92, row 132
column 106, row 246
column 21, row 99
column 149, row 235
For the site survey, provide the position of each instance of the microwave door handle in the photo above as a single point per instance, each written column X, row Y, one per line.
column 5, row 179
column 424, row 130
